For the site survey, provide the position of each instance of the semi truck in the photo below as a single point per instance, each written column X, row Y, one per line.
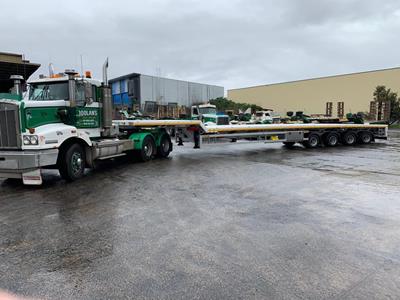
column 207, row 113
column 65, row 122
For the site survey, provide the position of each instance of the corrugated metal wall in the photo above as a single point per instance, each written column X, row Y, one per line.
column 165, row 90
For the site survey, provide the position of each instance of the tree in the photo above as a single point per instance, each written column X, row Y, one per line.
column 224, row 104
column 385, row 95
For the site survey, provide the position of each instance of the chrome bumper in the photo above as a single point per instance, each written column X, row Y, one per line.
column 13, row 164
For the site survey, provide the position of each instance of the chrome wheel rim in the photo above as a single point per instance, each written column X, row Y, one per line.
column 366, row 138
column 313, row 141
column 333, row 140
column 148, row 149
column 76, row 163
column 350, row 139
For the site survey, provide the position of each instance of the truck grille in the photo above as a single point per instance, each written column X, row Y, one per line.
column 9, row 126
column 222, row 120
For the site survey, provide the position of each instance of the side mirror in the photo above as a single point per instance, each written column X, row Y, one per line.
column 88, row 93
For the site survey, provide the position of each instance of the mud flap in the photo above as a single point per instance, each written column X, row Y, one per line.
column 32, row 177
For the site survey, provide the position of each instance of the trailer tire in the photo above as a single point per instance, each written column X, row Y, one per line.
column 365, row 137
column 148, row 149
column 349, row 138
column 71, row 164
column 331, row 139
column 313, row 141
column 289, row 145
column 165, row 147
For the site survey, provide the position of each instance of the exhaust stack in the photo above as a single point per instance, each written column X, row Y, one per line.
column 17, row 84
column 71, row 86
column 105, row 70
column 107, row 104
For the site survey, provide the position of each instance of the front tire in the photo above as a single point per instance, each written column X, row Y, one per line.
column 72, row 163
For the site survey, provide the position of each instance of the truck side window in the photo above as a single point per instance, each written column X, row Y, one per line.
column 80, row 94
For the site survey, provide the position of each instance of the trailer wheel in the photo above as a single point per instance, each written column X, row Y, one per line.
column 349, row 138
column 331, row 139
column 365, row 137
column 165, row 147
column 289, row 145
column 148, row 149
column 313, row 141
column 71, row 164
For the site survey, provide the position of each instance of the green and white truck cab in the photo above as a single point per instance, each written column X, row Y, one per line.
column 66, row 123
column 207, row 113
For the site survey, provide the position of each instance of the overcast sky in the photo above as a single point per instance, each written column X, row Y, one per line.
column 233, row 43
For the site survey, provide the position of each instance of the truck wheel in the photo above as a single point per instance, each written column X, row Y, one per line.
column 165, row 147
column 72, row 163
column 331, row 139
column 148, row 149
column 349, row 138
column 365, row 137
column 313, row 141
column 289, row 144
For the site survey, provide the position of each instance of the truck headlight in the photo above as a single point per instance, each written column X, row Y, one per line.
column 31, row 140
column 34, row 140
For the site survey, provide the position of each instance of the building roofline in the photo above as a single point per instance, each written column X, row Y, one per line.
column 139, row 74
column 124, row 77
column 11, row 54
column 317, row 78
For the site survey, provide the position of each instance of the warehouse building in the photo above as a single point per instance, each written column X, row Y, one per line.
column 160, row 96
column 14, row 64
column 331, row 96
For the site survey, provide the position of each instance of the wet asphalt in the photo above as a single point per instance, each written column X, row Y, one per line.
column 235, row 221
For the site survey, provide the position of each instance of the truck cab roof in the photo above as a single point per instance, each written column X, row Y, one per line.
column 207, row 105
column 63, row 78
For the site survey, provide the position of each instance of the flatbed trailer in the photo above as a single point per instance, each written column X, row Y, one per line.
column 310, row 135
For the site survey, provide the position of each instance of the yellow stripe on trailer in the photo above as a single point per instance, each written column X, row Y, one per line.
column 156, row 123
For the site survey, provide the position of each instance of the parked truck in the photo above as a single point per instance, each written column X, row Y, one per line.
column 66, row 123
column 207, row 113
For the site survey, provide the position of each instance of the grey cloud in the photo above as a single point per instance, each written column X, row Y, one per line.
column 231, row 43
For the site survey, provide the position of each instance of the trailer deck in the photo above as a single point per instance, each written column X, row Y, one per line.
column 220, row 129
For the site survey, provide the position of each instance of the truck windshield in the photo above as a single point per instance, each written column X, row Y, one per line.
column 49, row 91
column 208, row 110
